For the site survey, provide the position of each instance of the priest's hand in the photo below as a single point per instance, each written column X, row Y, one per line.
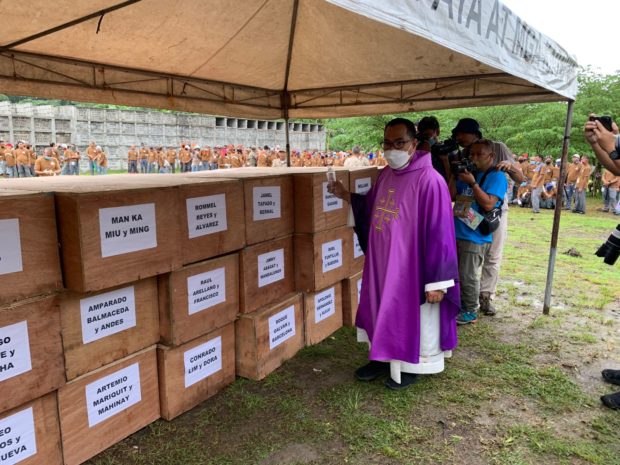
column 338, row 189
column 434, row 297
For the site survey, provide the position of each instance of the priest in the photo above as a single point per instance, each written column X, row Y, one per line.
column 409, row 298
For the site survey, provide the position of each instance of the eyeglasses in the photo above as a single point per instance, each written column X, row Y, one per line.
column 397, row 144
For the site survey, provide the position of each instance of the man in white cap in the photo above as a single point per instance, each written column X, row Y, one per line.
column 356, row 159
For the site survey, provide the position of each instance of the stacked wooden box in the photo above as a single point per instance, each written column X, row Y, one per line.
column 360, row 182
column 269, row 329
column 31, row 361
column 199, row 302
column 172, row 284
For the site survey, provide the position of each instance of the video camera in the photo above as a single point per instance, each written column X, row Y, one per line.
column 448, row 147
column 610, row 250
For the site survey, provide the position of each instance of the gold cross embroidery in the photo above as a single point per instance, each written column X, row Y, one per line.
column 385, row 211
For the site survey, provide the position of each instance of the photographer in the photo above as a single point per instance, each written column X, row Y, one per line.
column 475, row 194
column 604, row 143
column 428, row 130
column 466, row 133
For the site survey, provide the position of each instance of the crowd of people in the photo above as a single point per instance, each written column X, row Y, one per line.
column 21, row 160
column 191, row 157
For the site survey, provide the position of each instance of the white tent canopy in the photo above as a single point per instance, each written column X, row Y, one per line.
column 274, row 59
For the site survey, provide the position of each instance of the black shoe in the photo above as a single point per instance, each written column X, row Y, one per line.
column 406, row 380
column 372, row 370
column 612, row 400
column 611, row 376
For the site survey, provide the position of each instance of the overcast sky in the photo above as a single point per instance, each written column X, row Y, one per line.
column 588, row 30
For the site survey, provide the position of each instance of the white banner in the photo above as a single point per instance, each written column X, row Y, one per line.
column 485, row 30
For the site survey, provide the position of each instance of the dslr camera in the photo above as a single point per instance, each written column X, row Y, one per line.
column 461, row 165
column 610, row 250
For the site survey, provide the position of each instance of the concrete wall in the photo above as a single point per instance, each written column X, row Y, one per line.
column 115, row 130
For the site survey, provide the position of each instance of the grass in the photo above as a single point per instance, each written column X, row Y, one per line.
column 522, row 388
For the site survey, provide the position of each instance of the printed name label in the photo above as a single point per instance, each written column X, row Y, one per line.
column 14, row 350
column 206, row 215
column 270, row 267
column 330, row 201
column 205, row 290
column 202, row 361
column 127, row 229
column 111, row 395
column 10, row 247
column 281, row 327
column 17, row 437
column 324, row 305
column 266, row 202
column 362, row 185
column 357, row 249
column 332, row 255
column 108, row 313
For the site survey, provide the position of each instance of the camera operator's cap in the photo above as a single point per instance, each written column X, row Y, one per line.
column 467, row 126
column 558, row 160
column 576, row 155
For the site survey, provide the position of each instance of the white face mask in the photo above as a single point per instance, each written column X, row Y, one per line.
column 397, row 159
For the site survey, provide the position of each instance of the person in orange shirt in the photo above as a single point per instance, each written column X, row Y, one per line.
column 47, row 165
column 11, row 163
column 537, row 184
column 581, row 185
column 171, row 156
column 611, row 182
column 548, row 170
column 3, row 149
column 143, row 159
column 132, row 160
column 261, row 161
column 74, row 161
column 91, row 153
column 185, row 157
column 102, row 161
column 571, row 178
column 22, row 157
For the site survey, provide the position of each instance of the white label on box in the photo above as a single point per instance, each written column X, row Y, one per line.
column 17, row 437
column 359, row 290
column 112, row 394
column 202, row 361
column 270, row 267
column 127, row 229
column 357, row 249
column 267, row 203
column 281, row 327
column 10, row 247
column 324, row 305
column 362, row 185
column 14, row 350
column 330, row 201
column 332, row 255
column 108, row 313
column 206, row 215
column 205, row 290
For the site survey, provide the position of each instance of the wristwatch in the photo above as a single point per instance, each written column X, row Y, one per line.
column 614, row 155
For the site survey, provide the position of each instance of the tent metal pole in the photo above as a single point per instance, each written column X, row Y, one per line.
column 558, row 209
column 288, row 142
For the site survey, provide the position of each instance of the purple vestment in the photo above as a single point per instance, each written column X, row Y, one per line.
column 411, row 243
